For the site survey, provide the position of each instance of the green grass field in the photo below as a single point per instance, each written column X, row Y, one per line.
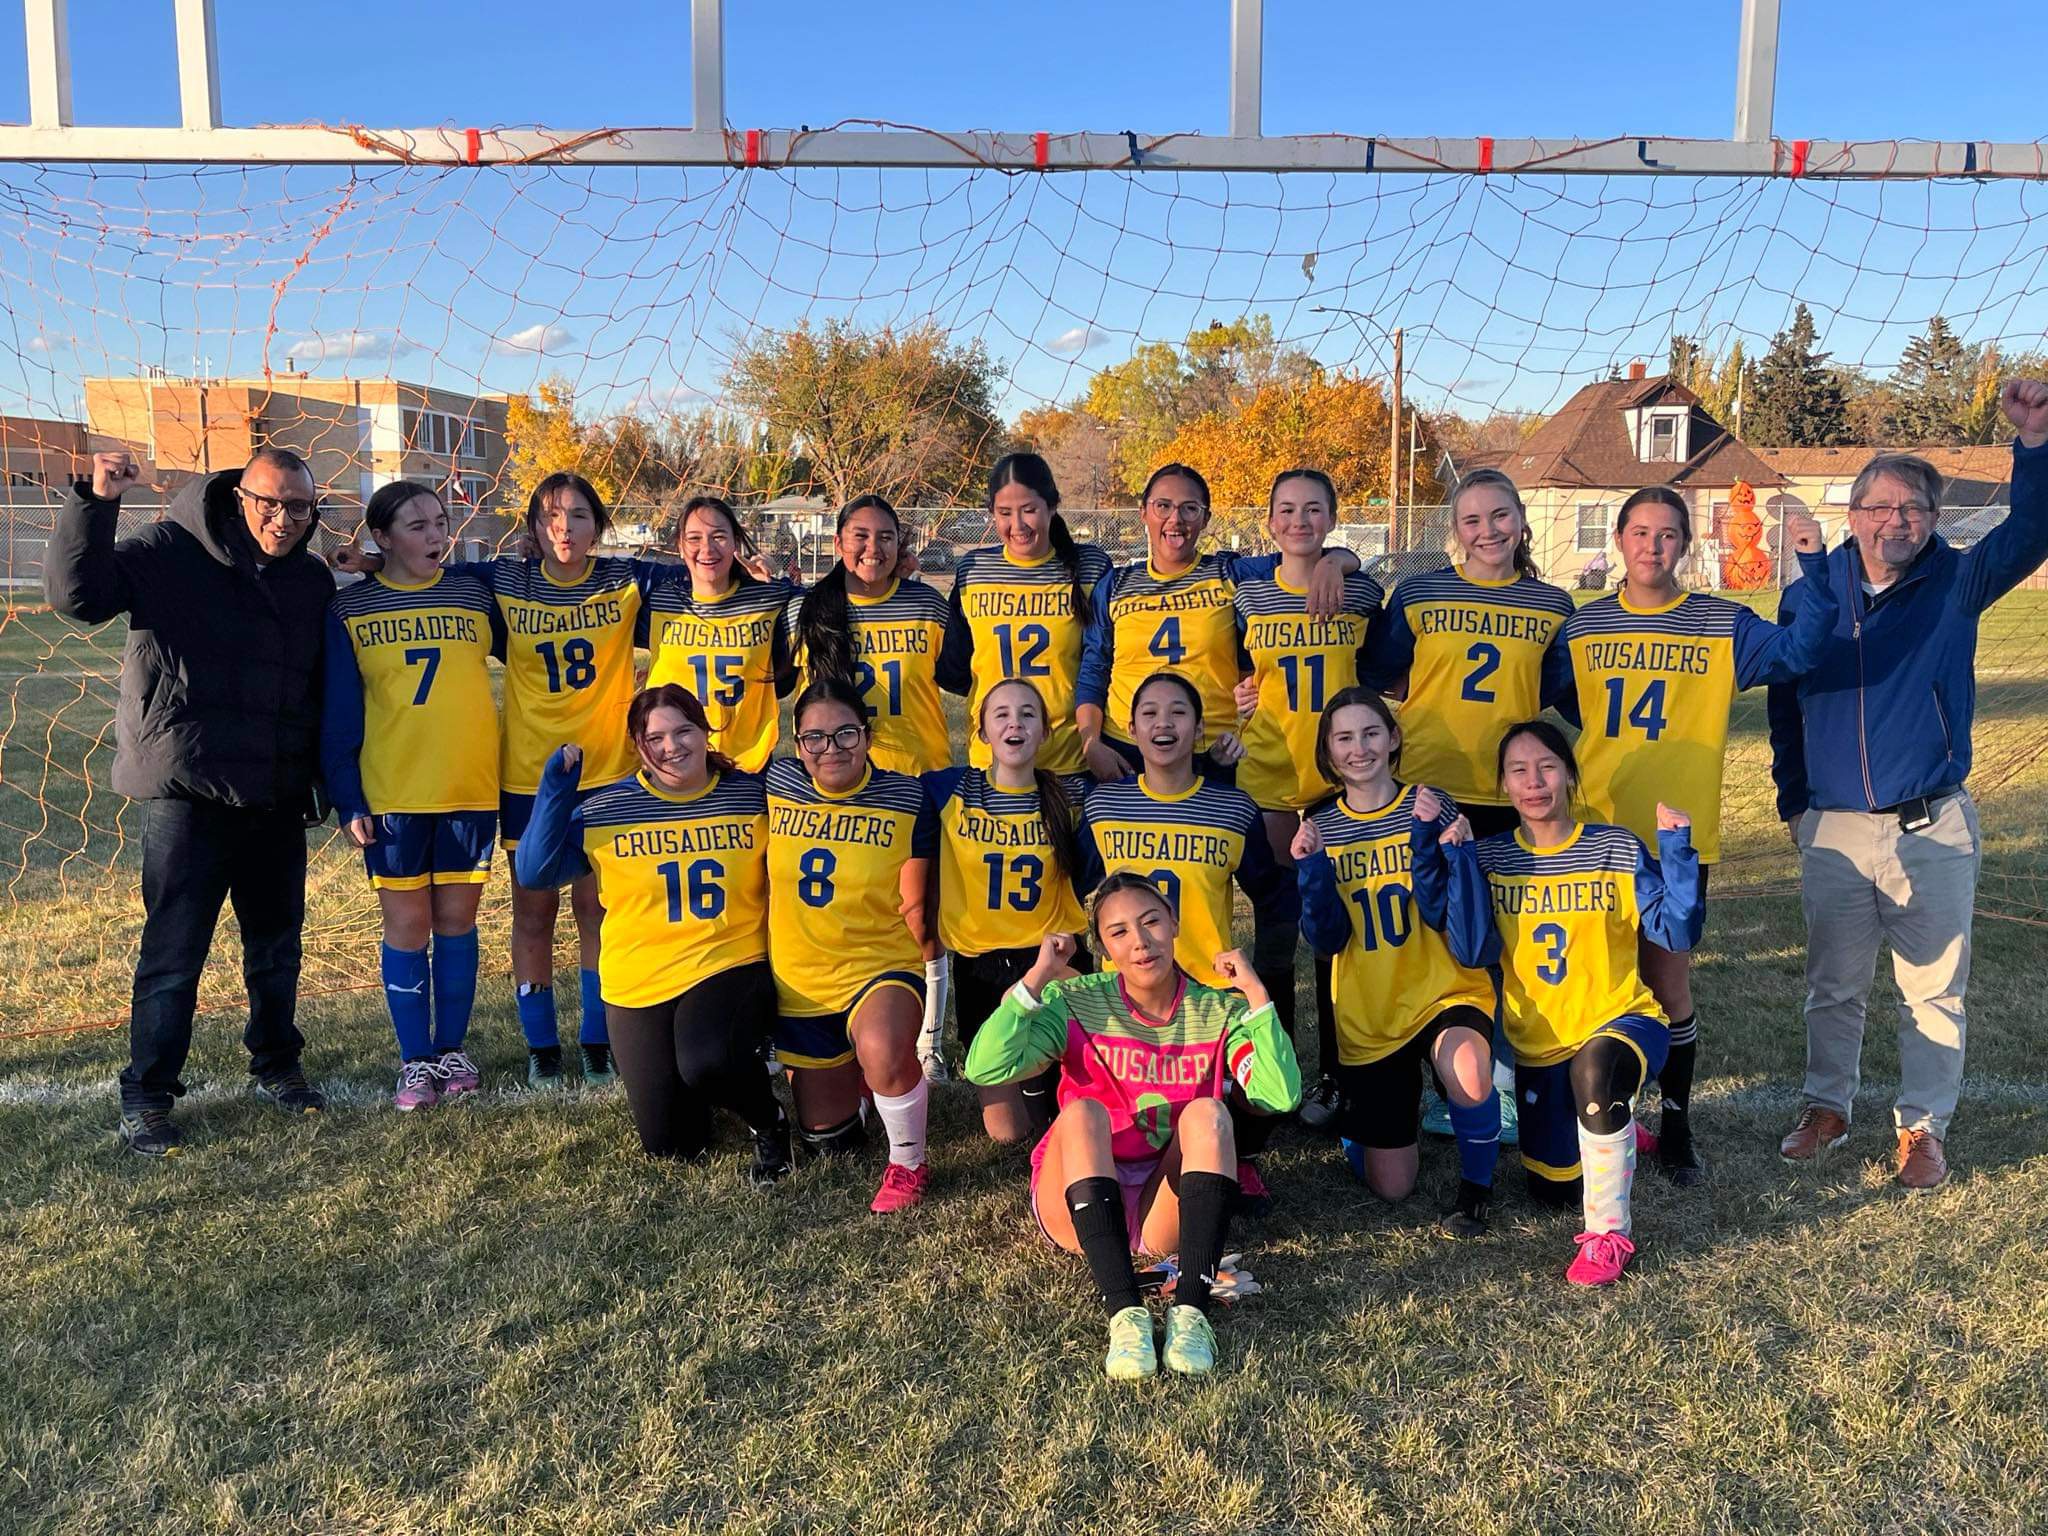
column 500, row 1318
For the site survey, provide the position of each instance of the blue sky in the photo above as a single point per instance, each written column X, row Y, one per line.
column 1512, row 292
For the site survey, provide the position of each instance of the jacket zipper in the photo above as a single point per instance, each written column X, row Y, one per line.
column 1862, row 727
column 1948, row 745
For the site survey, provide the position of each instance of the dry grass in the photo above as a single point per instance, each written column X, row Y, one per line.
column 499, row 1318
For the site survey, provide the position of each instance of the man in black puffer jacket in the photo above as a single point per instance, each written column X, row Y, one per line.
column 217, row 734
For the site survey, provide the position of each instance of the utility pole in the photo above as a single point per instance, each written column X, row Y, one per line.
column 1394, row 455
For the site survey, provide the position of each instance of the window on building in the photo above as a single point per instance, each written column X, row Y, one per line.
column 1592, row 526
column 1663, row 439
column 441, row 434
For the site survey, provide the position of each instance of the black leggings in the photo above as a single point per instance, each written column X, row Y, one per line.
column 681, row 1059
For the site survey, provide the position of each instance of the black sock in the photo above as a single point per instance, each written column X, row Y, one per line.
column 1251, row 1131
column 1675, row 1081
column 1279, row 985
column 1326, row 1020
column 1097, row 1206
column 1042, row 1099
column 1204, row 1217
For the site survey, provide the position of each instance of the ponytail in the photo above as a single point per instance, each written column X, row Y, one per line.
column 1056, row 810
column 1069, row 554
column 1525, row 562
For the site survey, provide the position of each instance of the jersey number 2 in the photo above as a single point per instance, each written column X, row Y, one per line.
column 1488, row 659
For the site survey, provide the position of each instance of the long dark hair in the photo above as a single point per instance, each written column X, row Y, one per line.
column 1552, row 740
column 1035, row 475
column 1125, row 880
column 564, row 480
column 673, row 696
column 1183, row 471
column 742, row 540
column 1353, row 697
column 1658, row 496
column 824, row 620
column 1472, row 480
column 1328, row 485
column 1055, row 805
column 386, row 501
column 1193, row 693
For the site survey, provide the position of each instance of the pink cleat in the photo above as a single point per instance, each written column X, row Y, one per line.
column 901, row 1187
column 457, row 1074
column 1646, row 1141
column 417, row 1086
column 1602, row 1258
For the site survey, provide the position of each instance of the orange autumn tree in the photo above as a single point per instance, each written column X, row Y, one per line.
column 1334, row 422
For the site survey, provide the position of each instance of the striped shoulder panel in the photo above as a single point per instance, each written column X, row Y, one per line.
column 1598, row 850
column 1218, row 806
column 630, row 801
column 1448, row 585
column 1265, row 595
column 912, row 601
column 1340, row 826
column 1136, row 579
column 455, row 589
column 885, row 791
column 1701, row 616
column 527, row 580
column 749, row 598
column 988, row 564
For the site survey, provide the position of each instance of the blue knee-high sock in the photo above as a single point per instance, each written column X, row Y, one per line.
column 454, row 988
column 1478, row 1132
column 537, row 1016
column 593, row 1031
column 405, row 994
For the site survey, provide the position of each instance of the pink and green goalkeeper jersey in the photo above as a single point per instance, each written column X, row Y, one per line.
column 1144, row 1071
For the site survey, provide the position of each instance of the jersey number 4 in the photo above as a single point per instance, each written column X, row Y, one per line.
column 1166, row 643
column 699, row 885
column 1648, row 714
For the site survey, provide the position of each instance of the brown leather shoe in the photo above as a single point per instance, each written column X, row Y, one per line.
column 1921, row 1163
column 1819, row 1129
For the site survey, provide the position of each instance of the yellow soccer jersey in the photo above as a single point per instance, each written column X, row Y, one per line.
column 1394, row 972
column 1473, row 654
column 1146, row 623
column 999, row 885
column 834, row 891
column 896, row 641
column 684, row 880
column 1568, row 918
column 1652, row 689
column 732, row 652
column 1300, row 664
column 1191, row 845
column 1012, row 619
column 568, row 667
column 410, row 663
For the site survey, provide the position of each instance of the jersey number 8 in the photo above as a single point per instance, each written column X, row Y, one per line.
column 816, row 867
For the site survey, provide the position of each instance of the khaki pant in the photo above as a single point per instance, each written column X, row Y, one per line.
column 1863, row 881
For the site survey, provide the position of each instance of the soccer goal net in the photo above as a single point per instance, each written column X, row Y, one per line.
column 792, row 337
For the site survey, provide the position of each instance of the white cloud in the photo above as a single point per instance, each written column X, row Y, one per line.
column 1073, row 343
column 550, row 337
column 342, row 345
column 48, row 344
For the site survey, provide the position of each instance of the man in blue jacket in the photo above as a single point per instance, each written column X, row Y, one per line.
column 1870, row 751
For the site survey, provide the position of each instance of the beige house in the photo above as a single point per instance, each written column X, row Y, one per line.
column 1612, row 439
column 357, row 434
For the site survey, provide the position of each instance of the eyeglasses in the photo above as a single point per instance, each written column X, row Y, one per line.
column 1911, row 511
column 269, row 508
column 846, row 738
column 1161, row 507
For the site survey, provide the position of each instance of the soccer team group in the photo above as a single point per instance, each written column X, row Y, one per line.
column 1143, row 737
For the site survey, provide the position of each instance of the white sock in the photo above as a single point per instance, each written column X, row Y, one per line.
column 1609, row 1166
column 931, row 1039
column 903, row 1117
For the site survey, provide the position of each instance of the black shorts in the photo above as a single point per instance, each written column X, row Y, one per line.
column 979, row 982
column 1382, row 1100
column 1488, row 820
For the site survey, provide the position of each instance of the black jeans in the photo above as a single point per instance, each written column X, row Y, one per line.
column 195, row 854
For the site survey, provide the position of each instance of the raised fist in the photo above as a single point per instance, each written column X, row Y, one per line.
column 1427, row 807
column 2025, row 403
column 1247, row 696
column 112, row 474
column 1803, row 532
column 1308, row 840
column 1055, row 950
column 1459, row 831
column 1669, row 820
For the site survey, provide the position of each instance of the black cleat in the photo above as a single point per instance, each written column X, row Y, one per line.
column 598, row 1071
column 1319, row 1106
column 1466, row 1217
column 544, row 1069
column 150, row 1131
column 290, row 1092
column 1676, row 1157
column 771, row 1162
